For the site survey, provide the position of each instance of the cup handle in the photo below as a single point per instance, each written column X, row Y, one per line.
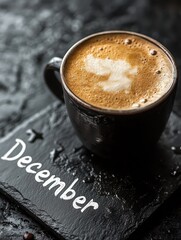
column 52, row 77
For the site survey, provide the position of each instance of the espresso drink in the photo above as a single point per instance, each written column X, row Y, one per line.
column 118, row 71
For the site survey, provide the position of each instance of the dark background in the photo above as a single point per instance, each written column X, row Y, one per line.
column 32, row 32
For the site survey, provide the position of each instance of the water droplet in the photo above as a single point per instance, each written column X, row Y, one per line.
column 109, row 211
column 89, row 179
column 60, row 148
column 176, row 150
column 33, row 135
column 128, row 41
column 143, row 100
column 177, row 131
column 98, row 140
column 118, row 197
column 153, row 52
column 53, row 155
column 135, row 105
column 173, row 173
column 77, row 149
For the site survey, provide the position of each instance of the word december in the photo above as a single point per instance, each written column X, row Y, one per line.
column 51, row 180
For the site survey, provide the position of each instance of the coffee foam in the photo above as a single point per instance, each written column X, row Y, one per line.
column 118, row 71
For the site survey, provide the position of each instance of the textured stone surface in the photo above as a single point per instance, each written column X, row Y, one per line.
column 32, row 32
column 127, row 194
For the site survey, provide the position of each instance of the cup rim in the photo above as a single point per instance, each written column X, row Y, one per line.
column 119, row 111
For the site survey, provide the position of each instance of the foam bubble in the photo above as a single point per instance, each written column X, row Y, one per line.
column 143, row 100
column 153, row 52
column 135, row 105
column 128, row 41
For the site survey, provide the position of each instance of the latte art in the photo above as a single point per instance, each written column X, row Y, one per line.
column 116, row 70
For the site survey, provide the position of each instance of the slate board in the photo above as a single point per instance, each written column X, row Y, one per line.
column 128, row 191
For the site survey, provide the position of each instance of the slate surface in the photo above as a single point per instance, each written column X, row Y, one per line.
column 127, row 194
column 31, row 33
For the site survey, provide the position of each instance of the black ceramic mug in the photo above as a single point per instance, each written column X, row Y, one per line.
column 107, row 132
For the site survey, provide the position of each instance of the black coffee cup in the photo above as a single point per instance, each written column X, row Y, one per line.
column 109, row 133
